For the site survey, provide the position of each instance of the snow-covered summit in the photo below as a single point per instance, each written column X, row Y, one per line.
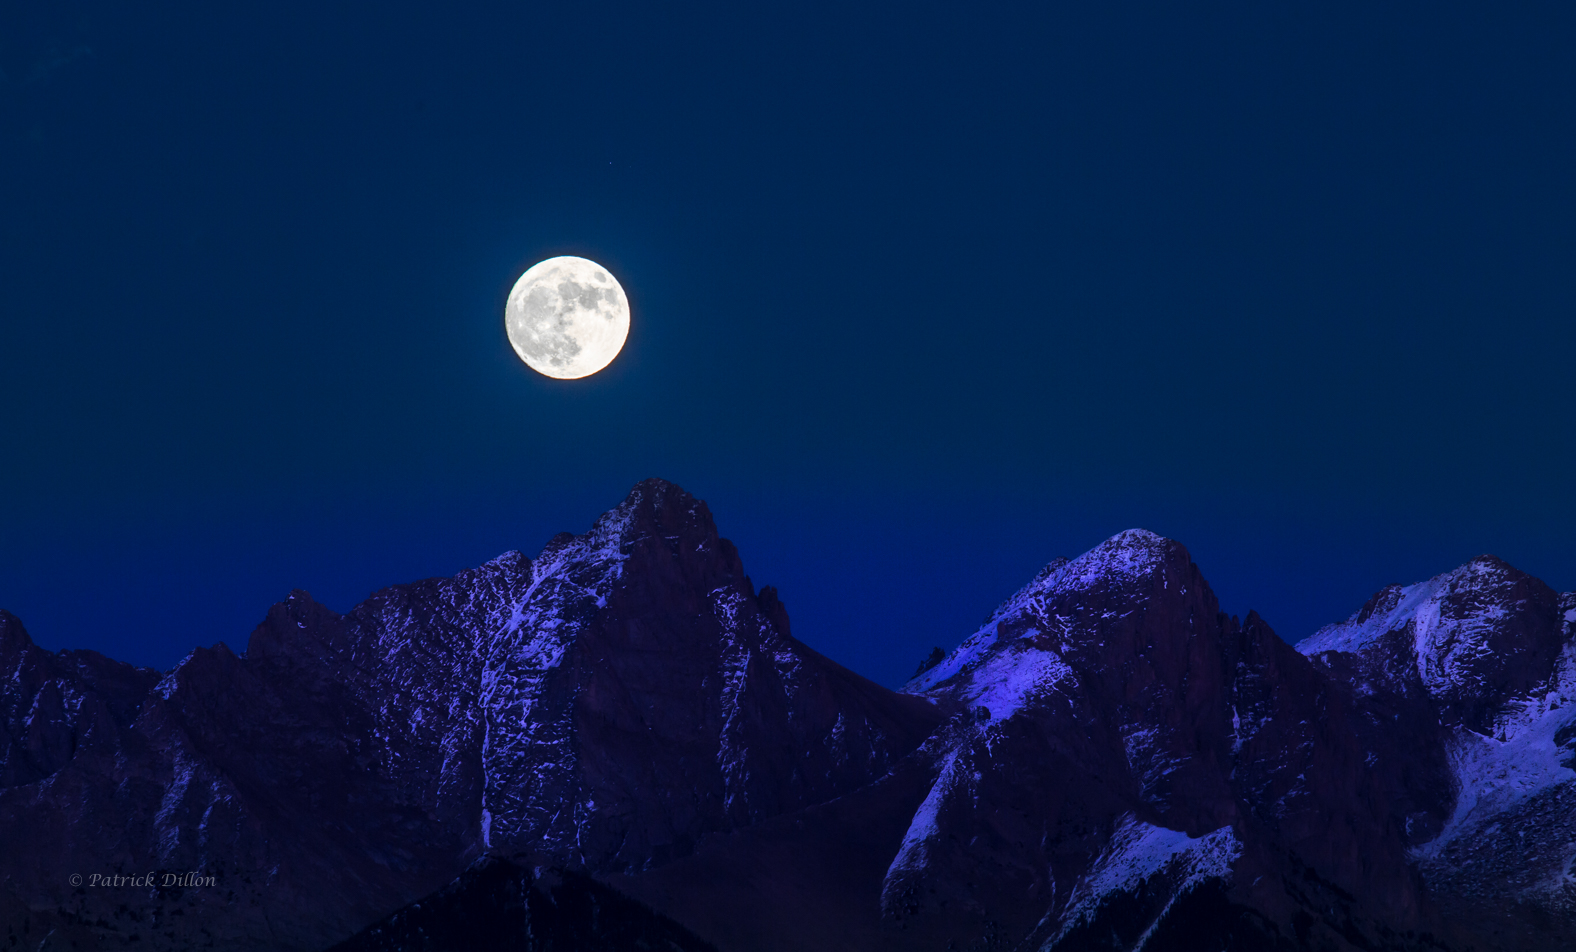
column 1477, row 636
column 1131, row 554
column 1126, row 560
column 1126, row 752
column 1476, row 670
column 1393, row 607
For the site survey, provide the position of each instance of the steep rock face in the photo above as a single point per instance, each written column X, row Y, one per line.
column 68, row 728
column 602, row 706
column 273, row 782
column 57, row 705
column 643, row 695
column 1131, row 746
column 1467, row 688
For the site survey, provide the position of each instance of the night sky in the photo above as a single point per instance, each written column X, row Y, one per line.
column 924, row 295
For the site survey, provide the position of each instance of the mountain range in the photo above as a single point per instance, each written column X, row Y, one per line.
column 619, row 744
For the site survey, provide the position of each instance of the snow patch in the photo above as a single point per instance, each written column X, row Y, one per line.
column 923, row 829
column 1130, row 555
column 1494, row 777
column 1146, row 756
column 1133, row 554
column 970, row 652
column 1009, row 679
column 1138, row 852
column 1353, row 635
column 1450, row 620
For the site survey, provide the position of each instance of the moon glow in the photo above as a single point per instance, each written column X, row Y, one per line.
column 567, row 317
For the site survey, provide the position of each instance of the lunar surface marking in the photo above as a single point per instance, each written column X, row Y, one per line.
column 567, row 317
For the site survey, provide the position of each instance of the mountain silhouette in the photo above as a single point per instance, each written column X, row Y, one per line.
column 618, row 743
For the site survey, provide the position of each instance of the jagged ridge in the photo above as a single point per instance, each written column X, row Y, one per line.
column 604, row 706
column 1111, row 761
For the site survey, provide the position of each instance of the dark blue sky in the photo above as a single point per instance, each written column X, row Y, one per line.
column 924, row 295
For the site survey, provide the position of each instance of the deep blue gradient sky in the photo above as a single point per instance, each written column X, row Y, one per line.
column 924, row 295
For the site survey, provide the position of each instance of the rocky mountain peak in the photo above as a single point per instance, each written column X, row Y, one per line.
column 1169, row 741
column 1476, row 637
column 11, row 630
column 646, row 635
column 298, row 633
column 1092, row 609
column 654, row 509
column 15, row 645
column 1464, row 684
column 1135, row 557
column 1136, row 549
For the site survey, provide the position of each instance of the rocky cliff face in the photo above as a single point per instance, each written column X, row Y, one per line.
column 1466, row 684
column 1110, row 762
column 603, row 706
column 1131, row 768
column 1133, row 751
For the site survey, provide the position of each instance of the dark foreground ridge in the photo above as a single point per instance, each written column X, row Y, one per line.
column 501, row 907
column 618, row 744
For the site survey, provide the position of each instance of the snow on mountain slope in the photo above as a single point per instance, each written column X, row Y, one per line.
column 643, row 695
column 603, row 706
column 608, row 702
column 52, row 704
column 1142, row 856
column 1475, row 670
column 528, row 752
column 1508, row 847
column 1113, row 711
column 1477, row 636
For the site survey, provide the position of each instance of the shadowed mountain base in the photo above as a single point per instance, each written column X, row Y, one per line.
column 501, row 907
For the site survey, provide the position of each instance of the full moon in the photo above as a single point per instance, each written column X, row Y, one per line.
column 567, row 317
